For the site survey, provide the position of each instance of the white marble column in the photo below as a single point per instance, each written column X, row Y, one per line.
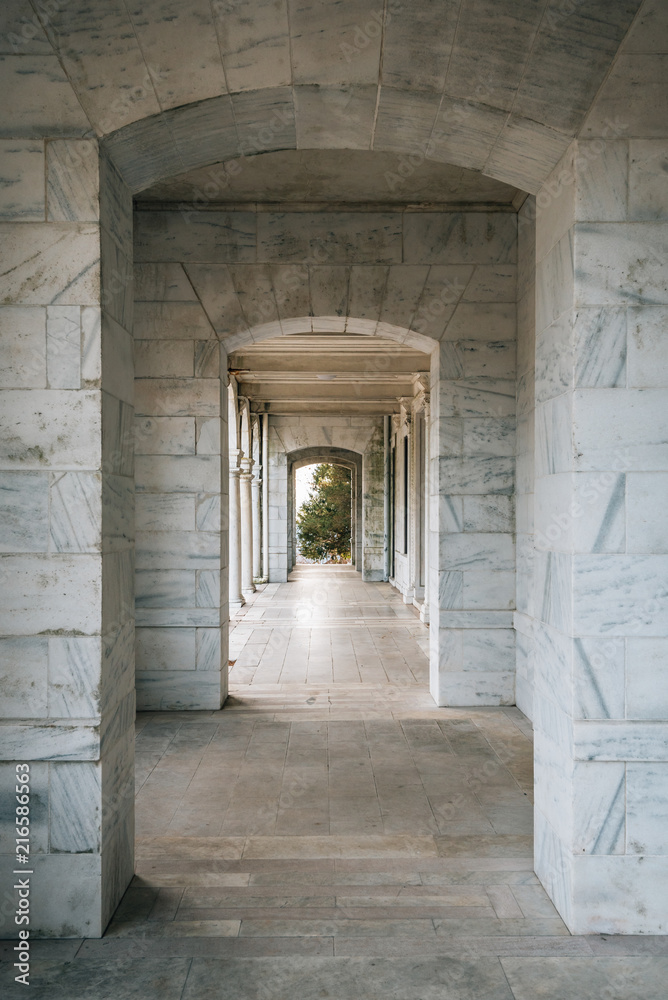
column 256, row 487
column 265, row 496
column 424, row 610
column 234, row 520
column 601, row 543
column 246, row 509
column 66, row 530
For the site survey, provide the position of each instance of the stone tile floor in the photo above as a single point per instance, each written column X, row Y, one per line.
column 333, row 834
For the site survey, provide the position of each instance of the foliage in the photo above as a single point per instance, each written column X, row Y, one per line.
column 323, row 521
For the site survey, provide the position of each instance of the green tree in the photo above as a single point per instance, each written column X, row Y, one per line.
column 323, row 521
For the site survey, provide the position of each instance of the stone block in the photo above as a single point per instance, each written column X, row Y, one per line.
column 554, row 359
column 554, row 436
column 242, row 37
column 616, row 428
column 482, row 321
column 75, row 523
column 51, row 264
column 72, row 180
column 208, row 588
column 200, row 237
column 599, row 510
column 164, row 436
column 647, row 361
column 488, row 513
column 178, row 550
column 48, row 105
column 24, row 511
column 492, row 283
column 598, row 674
column 335, row 45
column 330, row 238
column 165, row 649
column 164, row 512
column 329, row 116
column 476, row 688
column 600, row 347
column 208, row 641
column 459, row 238
column 162, row 283
column 208, row 437
column 117, row 436
column 117, row 360
column 118, row 507
column 167, row 588
column 177, row 474
column 177, row 397
column 525, row 153
column 49, row 741
column 208, row 516
column 63, row 347
column 23, row 345
column 646, row 678
column 488, row 590
column 117, row 281
column 476, row 475
column 553, row 588
column 555, row 282
column 39, row 821
column 170, row 321
column 602, row 175
column 22, row 183
column 619, row 263
column 465, row 132
column 75, row 794
column 647, row 168
column 118, row 574
column 405, row 121
column 647, row 808
column 42, row 594
column 178, row 690
column 612, row 740
column 91, row 347
column 75, row 665
column 23, row 676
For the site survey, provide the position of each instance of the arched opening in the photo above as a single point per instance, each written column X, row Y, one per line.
column 433, row 276
column 308, row 457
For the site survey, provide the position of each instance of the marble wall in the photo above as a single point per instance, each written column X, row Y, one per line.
column 471, row 487
column 67, row 524
column 181, row 448
column 601, row 548
column 524, row 467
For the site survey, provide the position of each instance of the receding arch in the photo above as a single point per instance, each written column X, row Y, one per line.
column 521, row 151
column 330, row 324
column 330, row 455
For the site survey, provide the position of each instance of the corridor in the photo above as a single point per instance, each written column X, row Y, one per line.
column 331, row 833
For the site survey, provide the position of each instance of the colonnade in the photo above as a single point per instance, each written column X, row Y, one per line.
column 248, row 562
column 407, row 488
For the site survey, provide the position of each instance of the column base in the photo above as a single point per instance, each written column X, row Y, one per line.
column 235, row 605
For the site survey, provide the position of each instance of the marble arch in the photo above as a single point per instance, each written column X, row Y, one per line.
column 350, row 460
column 566, row 111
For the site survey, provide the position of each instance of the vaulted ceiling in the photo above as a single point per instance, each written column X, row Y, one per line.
column 496, row 86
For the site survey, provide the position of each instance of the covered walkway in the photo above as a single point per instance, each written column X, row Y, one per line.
column 331, row 833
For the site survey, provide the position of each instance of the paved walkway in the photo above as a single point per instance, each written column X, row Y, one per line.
column 332, row 834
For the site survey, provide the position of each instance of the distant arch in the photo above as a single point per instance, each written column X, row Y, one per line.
column 331, row 455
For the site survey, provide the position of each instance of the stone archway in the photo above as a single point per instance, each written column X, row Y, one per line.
column 335, row 456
